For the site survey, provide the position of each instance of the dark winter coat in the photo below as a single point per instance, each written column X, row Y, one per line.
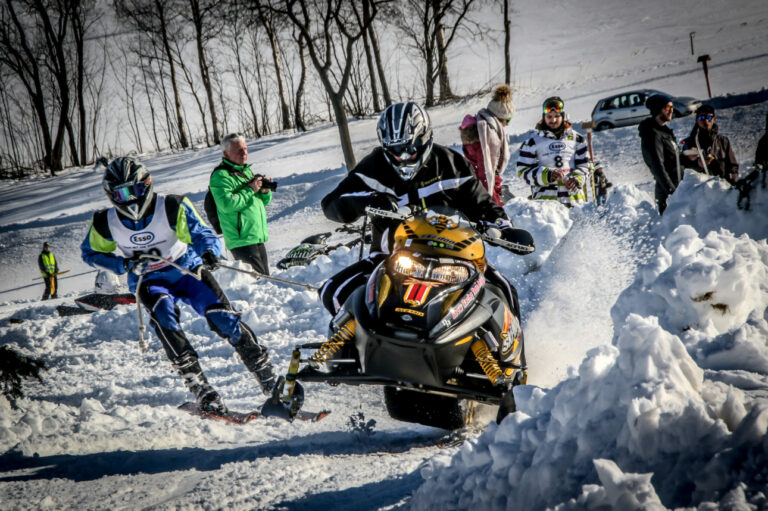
column 761, row 154
column 660, row 153
column 445, row 180
column 601, row 182
column 724, row 162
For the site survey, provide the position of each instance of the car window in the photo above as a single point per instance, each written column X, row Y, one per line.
column 635, row 100
column 610, row 104
column 624, row 101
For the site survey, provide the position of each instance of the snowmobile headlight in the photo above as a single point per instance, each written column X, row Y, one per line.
column 410, row 267
column 449, row 274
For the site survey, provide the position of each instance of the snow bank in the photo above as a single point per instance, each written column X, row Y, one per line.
column 638, row 426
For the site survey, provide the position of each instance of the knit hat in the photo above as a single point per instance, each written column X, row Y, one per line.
column 656, row 103
column 46, row 245
column 501, row 105
column 705, row 109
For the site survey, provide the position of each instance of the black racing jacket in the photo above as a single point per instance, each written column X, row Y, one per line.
column 660, row 154
column 446, row 179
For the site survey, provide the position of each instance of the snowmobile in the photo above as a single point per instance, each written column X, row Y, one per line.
column 427, row 326
column 316, row 245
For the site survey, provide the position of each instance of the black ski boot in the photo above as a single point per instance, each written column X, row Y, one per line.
column 254, row 356
column 190, row 371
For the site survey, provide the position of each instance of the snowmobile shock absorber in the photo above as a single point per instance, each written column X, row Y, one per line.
column 290, row 377
column 489, row 364
column 330, row 347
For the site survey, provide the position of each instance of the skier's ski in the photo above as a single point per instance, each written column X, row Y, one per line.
column 246, row 417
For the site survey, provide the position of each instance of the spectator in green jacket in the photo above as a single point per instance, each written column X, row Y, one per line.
column 46, row 261
column 241, row 198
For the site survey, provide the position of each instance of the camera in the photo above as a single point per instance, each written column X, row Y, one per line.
column 266, row 183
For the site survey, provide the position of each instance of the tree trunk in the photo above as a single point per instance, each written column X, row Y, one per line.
column 376, row 52
column 442, row 62
column 340, row 113
column 284, row 109
column 371, row 73
column 298, row 112
column 244, row 85
column 72, row 143
column 204, row 68
column 183, row 138
column 151, row 104
column 507, row 41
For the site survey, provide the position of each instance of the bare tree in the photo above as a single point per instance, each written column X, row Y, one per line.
column 371, row 69
column 204, row 23
column 439, row 22
column 507, row 41
column 323, row 25
column 267, row 18
column 369, row 12
column 155, row 20
column 299, row 103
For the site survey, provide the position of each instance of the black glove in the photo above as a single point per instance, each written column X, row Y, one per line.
column 210, row 260
column 134, row 264
column 503, row 230
column 383, row 201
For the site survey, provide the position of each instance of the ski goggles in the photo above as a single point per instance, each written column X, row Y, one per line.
column 706, row 117
column 129, row 191
column 554, row 106
column 403, row 152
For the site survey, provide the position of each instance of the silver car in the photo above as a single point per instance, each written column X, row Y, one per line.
column 629, row 108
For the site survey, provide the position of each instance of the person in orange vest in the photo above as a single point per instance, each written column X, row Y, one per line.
column 48, row 268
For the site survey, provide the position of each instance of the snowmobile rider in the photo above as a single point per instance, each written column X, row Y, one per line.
column 717, row 157
column 409, row 169
column 659, row 146
column 554, row 161
column 46, row 261
column 144, row 222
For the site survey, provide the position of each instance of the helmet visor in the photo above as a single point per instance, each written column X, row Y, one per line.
column 555, row 106
column 127, row 192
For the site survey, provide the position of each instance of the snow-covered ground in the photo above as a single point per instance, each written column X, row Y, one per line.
column 647, row 337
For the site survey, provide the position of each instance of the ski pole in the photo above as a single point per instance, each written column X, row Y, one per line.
column 258, row 275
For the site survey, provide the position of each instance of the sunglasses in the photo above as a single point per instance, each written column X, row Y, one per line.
column 554, row 106
column 669, row 108
column 706, row 117
column 129, row 191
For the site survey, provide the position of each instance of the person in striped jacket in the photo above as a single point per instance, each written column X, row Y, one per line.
column 554, row 160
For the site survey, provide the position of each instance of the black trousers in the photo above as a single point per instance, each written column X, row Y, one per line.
column 51, row 287
column 255, row 255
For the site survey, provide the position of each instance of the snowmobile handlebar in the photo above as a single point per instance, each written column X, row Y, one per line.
column 512, row 246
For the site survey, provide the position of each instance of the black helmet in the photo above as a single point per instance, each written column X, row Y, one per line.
column 553, row 104
column 405, row 134
column 128, row 184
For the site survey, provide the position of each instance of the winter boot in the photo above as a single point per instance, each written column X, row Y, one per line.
column 206, row 398
column 256, row 359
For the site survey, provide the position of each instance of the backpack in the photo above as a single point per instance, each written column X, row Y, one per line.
column 209, row 205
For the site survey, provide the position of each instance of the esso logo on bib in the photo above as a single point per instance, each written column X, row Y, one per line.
column 142, row 238
column 557, row 146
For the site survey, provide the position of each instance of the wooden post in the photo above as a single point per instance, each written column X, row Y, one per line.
column 692, row 35
column 704, row 59
column 588, row 126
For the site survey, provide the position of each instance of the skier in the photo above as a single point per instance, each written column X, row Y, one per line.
column 484, row 143
column 554, row 161
column 407, row 170
column 143, row 222
column 705, row 142
column 601, row 184
column 46, row 261
column 659, row 148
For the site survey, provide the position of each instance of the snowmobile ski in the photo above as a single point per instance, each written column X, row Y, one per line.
column 246, row 417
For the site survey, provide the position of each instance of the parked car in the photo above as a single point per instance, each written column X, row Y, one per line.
column 629, row 108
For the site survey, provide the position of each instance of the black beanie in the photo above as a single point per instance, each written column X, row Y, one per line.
column 705, row 109
column 656, row 103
